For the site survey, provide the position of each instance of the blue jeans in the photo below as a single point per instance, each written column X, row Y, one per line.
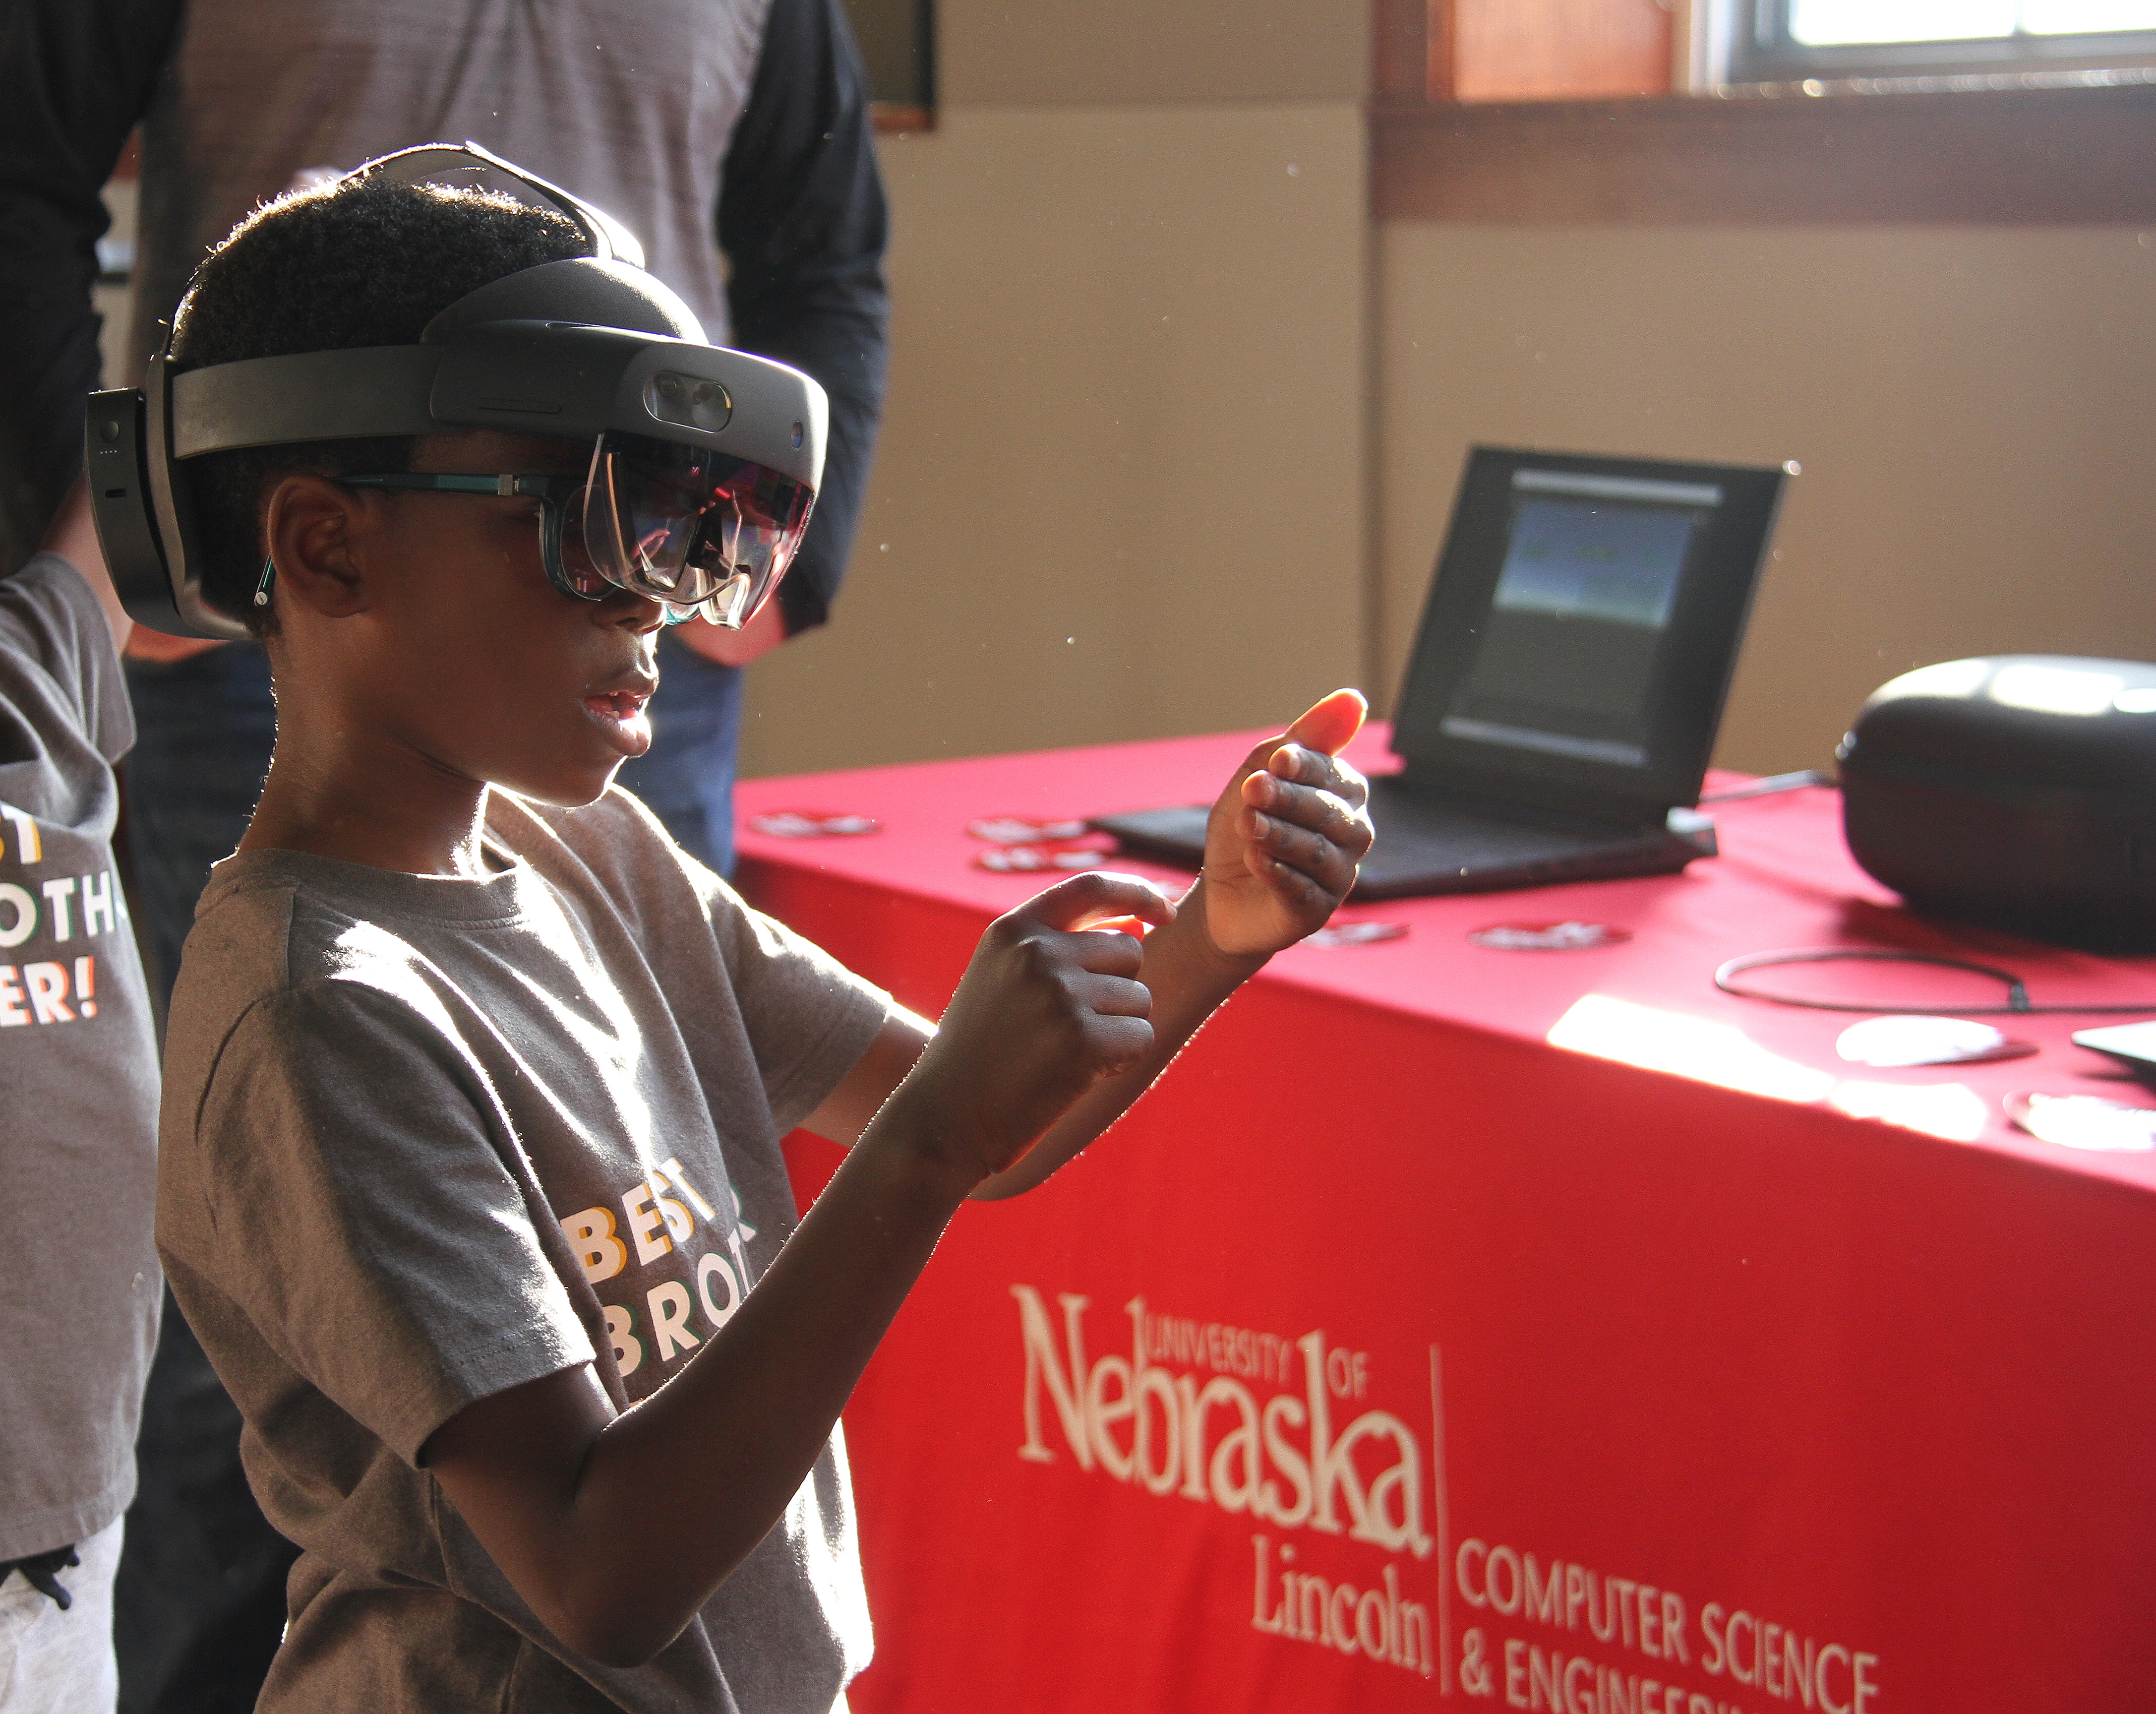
column 199, row 1599
column 687, row 778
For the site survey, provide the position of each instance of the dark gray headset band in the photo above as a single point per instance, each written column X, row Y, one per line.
column 378, row 390
column 565, row 381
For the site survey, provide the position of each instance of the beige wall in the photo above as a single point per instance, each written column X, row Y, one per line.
column 1972, row 409
column 1036, row 53
column 1121, row 491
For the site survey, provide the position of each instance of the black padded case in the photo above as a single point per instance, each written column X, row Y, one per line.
column 2014, row 791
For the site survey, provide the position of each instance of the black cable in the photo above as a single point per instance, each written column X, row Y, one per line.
column 2017, row 995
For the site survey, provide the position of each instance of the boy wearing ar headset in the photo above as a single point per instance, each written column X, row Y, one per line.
column 475, row 1083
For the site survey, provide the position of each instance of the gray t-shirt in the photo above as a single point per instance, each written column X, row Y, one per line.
column 630, row 103
column 77, row 1078
column 426, row 1139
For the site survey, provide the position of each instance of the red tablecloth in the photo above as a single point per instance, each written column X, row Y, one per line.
column 1541, row 1330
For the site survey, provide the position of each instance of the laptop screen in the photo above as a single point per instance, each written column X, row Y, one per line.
column 1566, row 659
column 1578, row 640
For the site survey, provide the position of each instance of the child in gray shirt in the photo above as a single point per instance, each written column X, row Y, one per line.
column 472, row 1185
column 78, row 1143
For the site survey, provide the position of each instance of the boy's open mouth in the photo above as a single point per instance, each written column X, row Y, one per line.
column 620, row 714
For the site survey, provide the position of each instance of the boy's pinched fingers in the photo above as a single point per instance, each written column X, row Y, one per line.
column 1113, row 996
column 1080, row 928
column 1120, row 1041
column 1304, row 765
column 1098, row 952
column 1326, row 812
column 1311, row 897
column 1288, row 849
column 1096, row 895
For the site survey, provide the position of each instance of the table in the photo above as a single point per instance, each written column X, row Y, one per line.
column 1539, row 1330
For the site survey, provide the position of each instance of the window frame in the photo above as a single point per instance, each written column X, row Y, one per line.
column 2050, row 149
column 1759, row 51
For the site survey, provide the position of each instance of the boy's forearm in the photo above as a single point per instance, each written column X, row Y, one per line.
column 617, row 1571
column 1188, row 979
column 73, row 536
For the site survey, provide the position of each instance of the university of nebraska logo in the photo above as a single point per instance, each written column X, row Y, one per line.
column 1206, row 1437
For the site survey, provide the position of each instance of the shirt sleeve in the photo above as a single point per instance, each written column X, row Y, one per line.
column 53, row 631
column 809, row 1019
column 803, row 222
column 75, row 75
column 359, row 1204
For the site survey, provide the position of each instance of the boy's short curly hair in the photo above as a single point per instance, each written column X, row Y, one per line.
column 345, row 266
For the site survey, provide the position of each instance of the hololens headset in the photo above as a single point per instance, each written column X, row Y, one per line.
column 705, row 461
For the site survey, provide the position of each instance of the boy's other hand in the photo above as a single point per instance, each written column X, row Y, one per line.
column 73, row 536
column 1049, row 1006
column 1283, row 841
column 146, row 644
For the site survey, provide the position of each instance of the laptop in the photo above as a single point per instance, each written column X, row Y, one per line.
column 1567, row 682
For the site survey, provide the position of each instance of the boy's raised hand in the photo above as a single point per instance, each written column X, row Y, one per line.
column 1283, row 841
column 1049, row 1005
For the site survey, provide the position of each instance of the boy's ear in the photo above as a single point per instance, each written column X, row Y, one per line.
column 311, row 524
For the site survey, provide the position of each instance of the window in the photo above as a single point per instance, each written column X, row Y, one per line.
column 897, row 40
column 2017, row 42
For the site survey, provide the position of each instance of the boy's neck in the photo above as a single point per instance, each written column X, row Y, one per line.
column 367, row 797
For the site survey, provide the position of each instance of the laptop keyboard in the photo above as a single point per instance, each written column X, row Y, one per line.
column 1413, row 832
column 1426, row 846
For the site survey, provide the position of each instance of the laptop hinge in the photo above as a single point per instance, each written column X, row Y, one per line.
column 1559, row 806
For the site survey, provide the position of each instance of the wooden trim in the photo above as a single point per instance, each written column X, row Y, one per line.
column 1558, row 50
column 1441, row 51
column 2084, row 157
column 892, row 120
column 1406, row 43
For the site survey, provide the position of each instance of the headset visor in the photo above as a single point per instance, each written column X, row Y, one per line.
column 685, row 526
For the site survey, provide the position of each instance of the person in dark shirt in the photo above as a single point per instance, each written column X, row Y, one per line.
column 733, row 128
